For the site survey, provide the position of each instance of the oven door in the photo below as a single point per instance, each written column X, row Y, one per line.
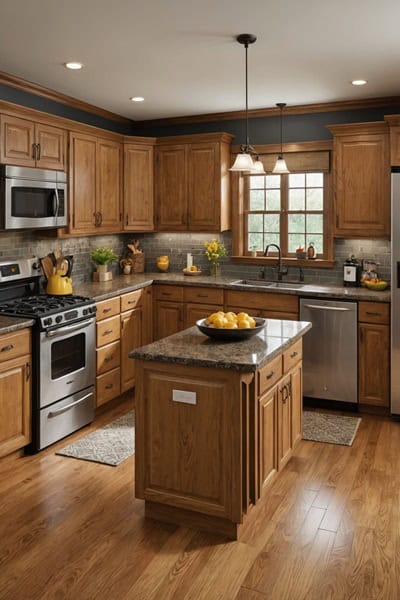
column 34, row 204
column 67, row 361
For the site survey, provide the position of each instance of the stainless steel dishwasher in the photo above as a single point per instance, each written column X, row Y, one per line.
column 330, row 350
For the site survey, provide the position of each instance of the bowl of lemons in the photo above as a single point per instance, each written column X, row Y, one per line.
column 231, row 326
column 193, row 270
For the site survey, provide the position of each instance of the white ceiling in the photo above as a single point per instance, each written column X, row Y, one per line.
column 181, row 55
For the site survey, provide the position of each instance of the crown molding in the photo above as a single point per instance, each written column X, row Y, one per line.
column 299, row 109
column 44, row 92
column 359, row 128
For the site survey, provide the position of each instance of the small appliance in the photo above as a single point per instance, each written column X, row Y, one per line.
column 351, row 272
column 60, row 283
column 32, row 198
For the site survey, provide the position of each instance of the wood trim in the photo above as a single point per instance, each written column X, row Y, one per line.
column 392, row 119
column 195, row 138
column 44, row 92
column 359, row 128
column 316, row 146
column 297, row 109
column 318, row 263
column 134, row 139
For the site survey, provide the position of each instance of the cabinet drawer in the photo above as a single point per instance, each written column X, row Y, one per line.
column 107, row 308
column 108, row 357
column 292, row 356
column 204, row 295
column 373, row 312
column 108, row 331
column 283, row 303
column 108, row 386
column 168, row 292
column 131, row 300
column 15, row 344
column 269, row 375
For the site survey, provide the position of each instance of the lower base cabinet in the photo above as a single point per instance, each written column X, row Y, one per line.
column 131, row 337
column 15, row 391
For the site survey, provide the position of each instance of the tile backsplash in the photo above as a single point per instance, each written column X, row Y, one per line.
column 177, row 245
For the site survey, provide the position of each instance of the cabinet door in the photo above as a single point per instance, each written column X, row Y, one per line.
column 171, row 188
column 15, row 404
column 284, row 422
column 138, row 188
column 51, row 149
column 17, row 141
column 268, row 438
column 373, row 384
column 131, row 337
column 204, row 187
column 147, row 312
column 82, row 183
column 167, row 318
column 362, row 185
column 108, row 192
column 194, row 312
column 296, row 392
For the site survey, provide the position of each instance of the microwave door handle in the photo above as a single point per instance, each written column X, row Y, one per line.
column 57, row 201
column 69, row 328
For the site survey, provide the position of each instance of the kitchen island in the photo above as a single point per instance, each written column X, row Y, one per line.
column 215, row 423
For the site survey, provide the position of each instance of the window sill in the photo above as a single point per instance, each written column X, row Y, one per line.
column 315, row 263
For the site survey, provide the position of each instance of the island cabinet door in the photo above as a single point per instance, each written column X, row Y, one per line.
column 189, row 439
column 284, row 422
column 268, row 437
column 296, row 398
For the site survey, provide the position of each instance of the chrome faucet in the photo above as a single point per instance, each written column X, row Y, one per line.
column 280, row 269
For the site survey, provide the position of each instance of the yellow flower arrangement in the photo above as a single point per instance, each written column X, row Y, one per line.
column 214, row 250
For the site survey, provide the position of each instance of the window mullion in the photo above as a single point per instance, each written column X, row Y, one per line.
column 284, row 214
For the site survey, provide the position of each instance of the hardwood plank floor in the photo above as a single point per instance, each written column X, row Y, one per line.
column 330, row 530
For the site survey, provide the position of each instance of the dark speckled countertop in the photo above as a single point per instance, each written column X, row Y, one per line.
column 127, row 283
column 190, row 347
column 10, row 324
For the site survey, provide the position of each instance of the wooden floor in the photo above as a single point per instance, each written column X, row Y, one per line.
column 331, row 530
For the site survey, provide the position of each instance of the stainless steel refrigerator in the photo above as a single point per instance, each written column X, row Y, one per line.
column 395, row 285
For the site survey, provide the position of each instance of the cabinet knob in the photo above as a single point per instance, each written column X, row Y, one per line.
column 107, row 331
column 270, row 374
column 109, row 386
column 293, row 354
column 7, row 348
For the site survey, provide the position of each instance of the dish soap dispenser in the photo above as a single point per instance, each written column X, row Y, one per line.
column 311, row 252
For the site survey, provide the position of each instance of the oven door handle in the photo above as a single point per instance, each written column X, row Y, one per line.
column 69, row 328
column 60, row 411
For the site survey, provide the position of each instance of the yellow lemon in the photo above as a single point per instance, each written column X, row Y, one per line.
column 230, row 316
column 230, row 325
column 242, row 315
column 219, row 322
column 252, row 322
column 244, row 324
column 211, row 318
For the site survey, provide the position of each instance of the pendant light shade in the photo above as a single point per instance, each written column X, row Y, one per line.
column 258, row 167
column 244, row 161
column 280, row 167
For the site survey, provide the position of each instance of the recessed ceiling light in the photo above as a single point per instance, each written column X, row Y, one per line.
column 137, row 99
column 359, row 82
column 74, row 66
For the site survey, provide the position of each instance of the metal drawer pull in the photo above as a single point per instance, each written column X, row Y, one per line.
column 293, row 354
column 270, row 374
column 68, row 407
column 373, row 314
column 106, row 310
column 334, row 308
column 202, row 295
column 107, row 331
column 109, row 386
column 166, row 293
column 7, row 348
column 132, row 301
column 109, row 358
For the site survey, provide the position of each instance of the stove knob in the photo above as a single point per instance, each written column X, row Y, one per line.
column 59, row 319
column 85, row 311
column 48, row 321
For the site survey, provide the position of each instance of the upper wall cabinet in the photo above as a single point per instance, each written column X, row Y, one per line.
column 361, row 180
column 28, row 144
column 95, row 176
column 138, row 213
column 394, row 123
column 192, row 183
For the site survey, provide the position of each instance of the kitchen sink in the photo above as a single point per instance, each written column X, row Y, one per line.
column 269, row 284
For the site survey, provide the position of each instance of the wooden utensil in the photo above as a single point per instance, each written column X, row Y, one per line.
column 47, row 266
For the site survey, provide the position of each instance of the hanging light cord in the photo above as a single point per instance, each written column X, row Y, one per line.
column 281, row 129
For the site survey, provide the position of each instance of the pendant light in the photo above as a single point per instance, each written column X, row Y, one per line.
column 244, row 161
column 280, row 166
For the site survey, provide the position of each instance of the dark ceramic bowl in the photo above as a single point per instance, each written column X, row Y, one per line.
column 232, row 335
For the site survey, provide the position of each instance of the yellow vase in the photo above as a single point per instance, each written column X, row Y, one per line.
column 163, row 263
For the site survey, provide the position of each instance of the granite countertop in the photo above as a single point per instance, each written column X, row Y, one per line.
column 10, row 324
column 191, row 347
column 122, row 284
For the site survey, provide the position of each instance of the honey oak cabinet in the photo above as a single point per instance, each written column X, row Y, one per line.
column 25, row 143
column 138, row 209
column 268, row 434
column 131, row 337
column 394, row 124
column 15, row 391
column 95, row 183
column 192, row 183
column 373, row 354
column 361, row 180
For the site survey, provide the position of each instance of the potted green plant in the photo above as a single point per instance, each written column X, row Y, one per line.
column 102, row 257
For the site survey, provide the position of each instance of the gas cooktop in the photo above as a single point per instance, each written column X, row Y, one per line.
column 41, row 305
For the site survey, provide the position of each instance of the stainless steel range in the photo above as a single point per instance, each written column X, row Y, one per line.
column 63, row 356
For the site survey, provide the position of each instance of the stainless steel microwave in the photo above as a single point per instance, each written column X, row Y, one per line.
column 32, row 198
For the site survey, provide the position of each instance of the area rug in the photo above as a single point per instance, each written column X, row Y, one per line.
column 332, row 429
column 109, row 445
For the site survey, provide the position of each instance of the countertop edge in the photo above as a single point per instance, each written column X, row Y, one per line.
column 14, row 324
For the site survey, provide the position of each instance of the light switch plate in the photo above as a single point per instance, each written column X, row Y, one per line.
column 184, row 396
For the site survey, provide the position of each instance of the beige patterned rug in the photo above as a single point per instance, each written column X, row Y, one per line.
column 332, row 429
column 109, row 445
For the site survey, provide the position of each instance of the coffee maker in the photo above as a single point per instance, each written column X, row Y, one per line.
column 351, row 272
